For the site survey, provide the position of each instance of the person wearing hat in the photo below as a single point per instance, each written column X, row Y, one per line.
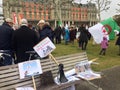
column 44, row 30
column 6, row 32
column 23, row 40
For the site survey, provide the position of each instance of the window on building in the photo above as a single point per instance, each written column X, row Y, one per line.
column 34, row 8
column 25, row 14
column 35, row 14
column 30, row 14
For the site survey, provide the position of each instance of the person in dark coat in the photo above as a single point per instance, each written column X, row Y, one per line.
column 44, row 30
column 58, row 32
column 24, row 39
column 72, row 34
column 118, row 42
column 83, row 38
column 6, row 32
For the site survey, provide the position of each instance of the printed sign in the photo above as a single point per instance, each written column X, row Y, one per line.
column 29, row 68
column 44, row 48
column 83, row 70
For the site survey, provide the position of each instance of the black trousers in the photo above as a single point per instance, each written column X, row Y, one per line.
column 103, row 51
column 84, row 44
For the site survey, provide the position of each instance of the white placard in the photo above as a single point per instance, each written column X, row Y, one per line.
column 82, row 66
column 44, row 48
column 29, row 68
column 84, row 71
column 24, row 88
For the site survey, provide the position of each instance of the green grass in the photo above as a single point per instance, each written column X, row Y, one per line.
column 109, row 60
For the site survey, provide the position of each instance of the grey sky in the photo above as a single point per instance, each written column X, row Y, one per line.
column 111, row 12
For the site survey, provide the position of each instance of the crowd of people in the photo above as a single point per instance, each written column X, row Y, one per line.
column 17, row 41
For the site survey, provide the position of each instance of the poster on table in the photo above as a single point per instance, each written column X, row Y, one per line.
column 44, row 48
column 29, row 68
column 84, row 71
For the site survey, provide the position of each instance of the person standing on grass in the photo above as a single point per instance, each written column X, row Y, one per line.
column 118, row 42
column 83, row 38
column 67, row 35
column 58, row 32
column 45, row 30
column 72, row 34
column 104, row 46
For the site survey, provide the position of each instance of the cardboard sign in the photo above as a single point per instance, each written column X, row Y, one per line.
column 29, row 68
column 44, row 48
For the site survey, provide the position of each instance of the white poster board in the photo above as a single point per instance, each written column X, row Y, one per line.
column 29, row 68
column 24, row 88
column 84, row 71
column 44, row 48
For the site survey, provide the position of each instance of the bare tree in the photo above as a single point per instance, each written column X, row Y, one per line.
column 102, row 5
column 118, row 10
column 56, row 4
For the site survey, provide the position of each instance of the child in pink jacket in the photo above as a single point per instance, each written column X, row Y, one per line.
column 104, row 45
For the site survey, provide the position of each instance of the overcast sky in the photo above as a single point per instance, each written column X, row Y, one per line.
column 104, row 15
column 111, row 12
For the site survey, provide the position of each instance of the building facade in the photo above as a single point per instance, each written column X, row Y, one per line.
column 61, row 11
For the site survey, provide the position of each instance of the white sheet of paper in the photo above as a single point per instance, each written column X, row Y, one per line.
column 29, row 68
column 44, row 48
column 84, row 70
column 24, row 88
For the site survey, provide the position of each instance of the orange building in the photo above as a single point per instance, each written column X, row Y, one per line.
column 33, row 12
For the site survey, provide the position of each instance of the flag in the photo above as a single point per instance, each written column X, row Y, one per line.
column 110, row 26
column 105, row 28
column 20, row 17
column 59, row 23
column 15, row 21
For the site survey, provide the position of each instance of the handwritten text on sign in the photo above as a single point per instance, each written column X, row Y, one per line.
column 44, row 48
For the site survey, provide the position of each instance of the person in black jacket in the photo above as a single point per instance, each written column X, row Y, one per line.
column 118, row 42
column 6, row 32
column 58, row 32
column 23, row 40
column 83, row 38
column 44, row 30
column 72, row 34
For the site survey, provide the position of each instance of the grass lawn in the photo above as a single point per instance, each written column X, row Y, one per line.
column 110, row 59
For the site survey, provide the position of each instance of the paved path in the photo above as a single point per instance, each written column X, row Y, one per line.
column 110, row 80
